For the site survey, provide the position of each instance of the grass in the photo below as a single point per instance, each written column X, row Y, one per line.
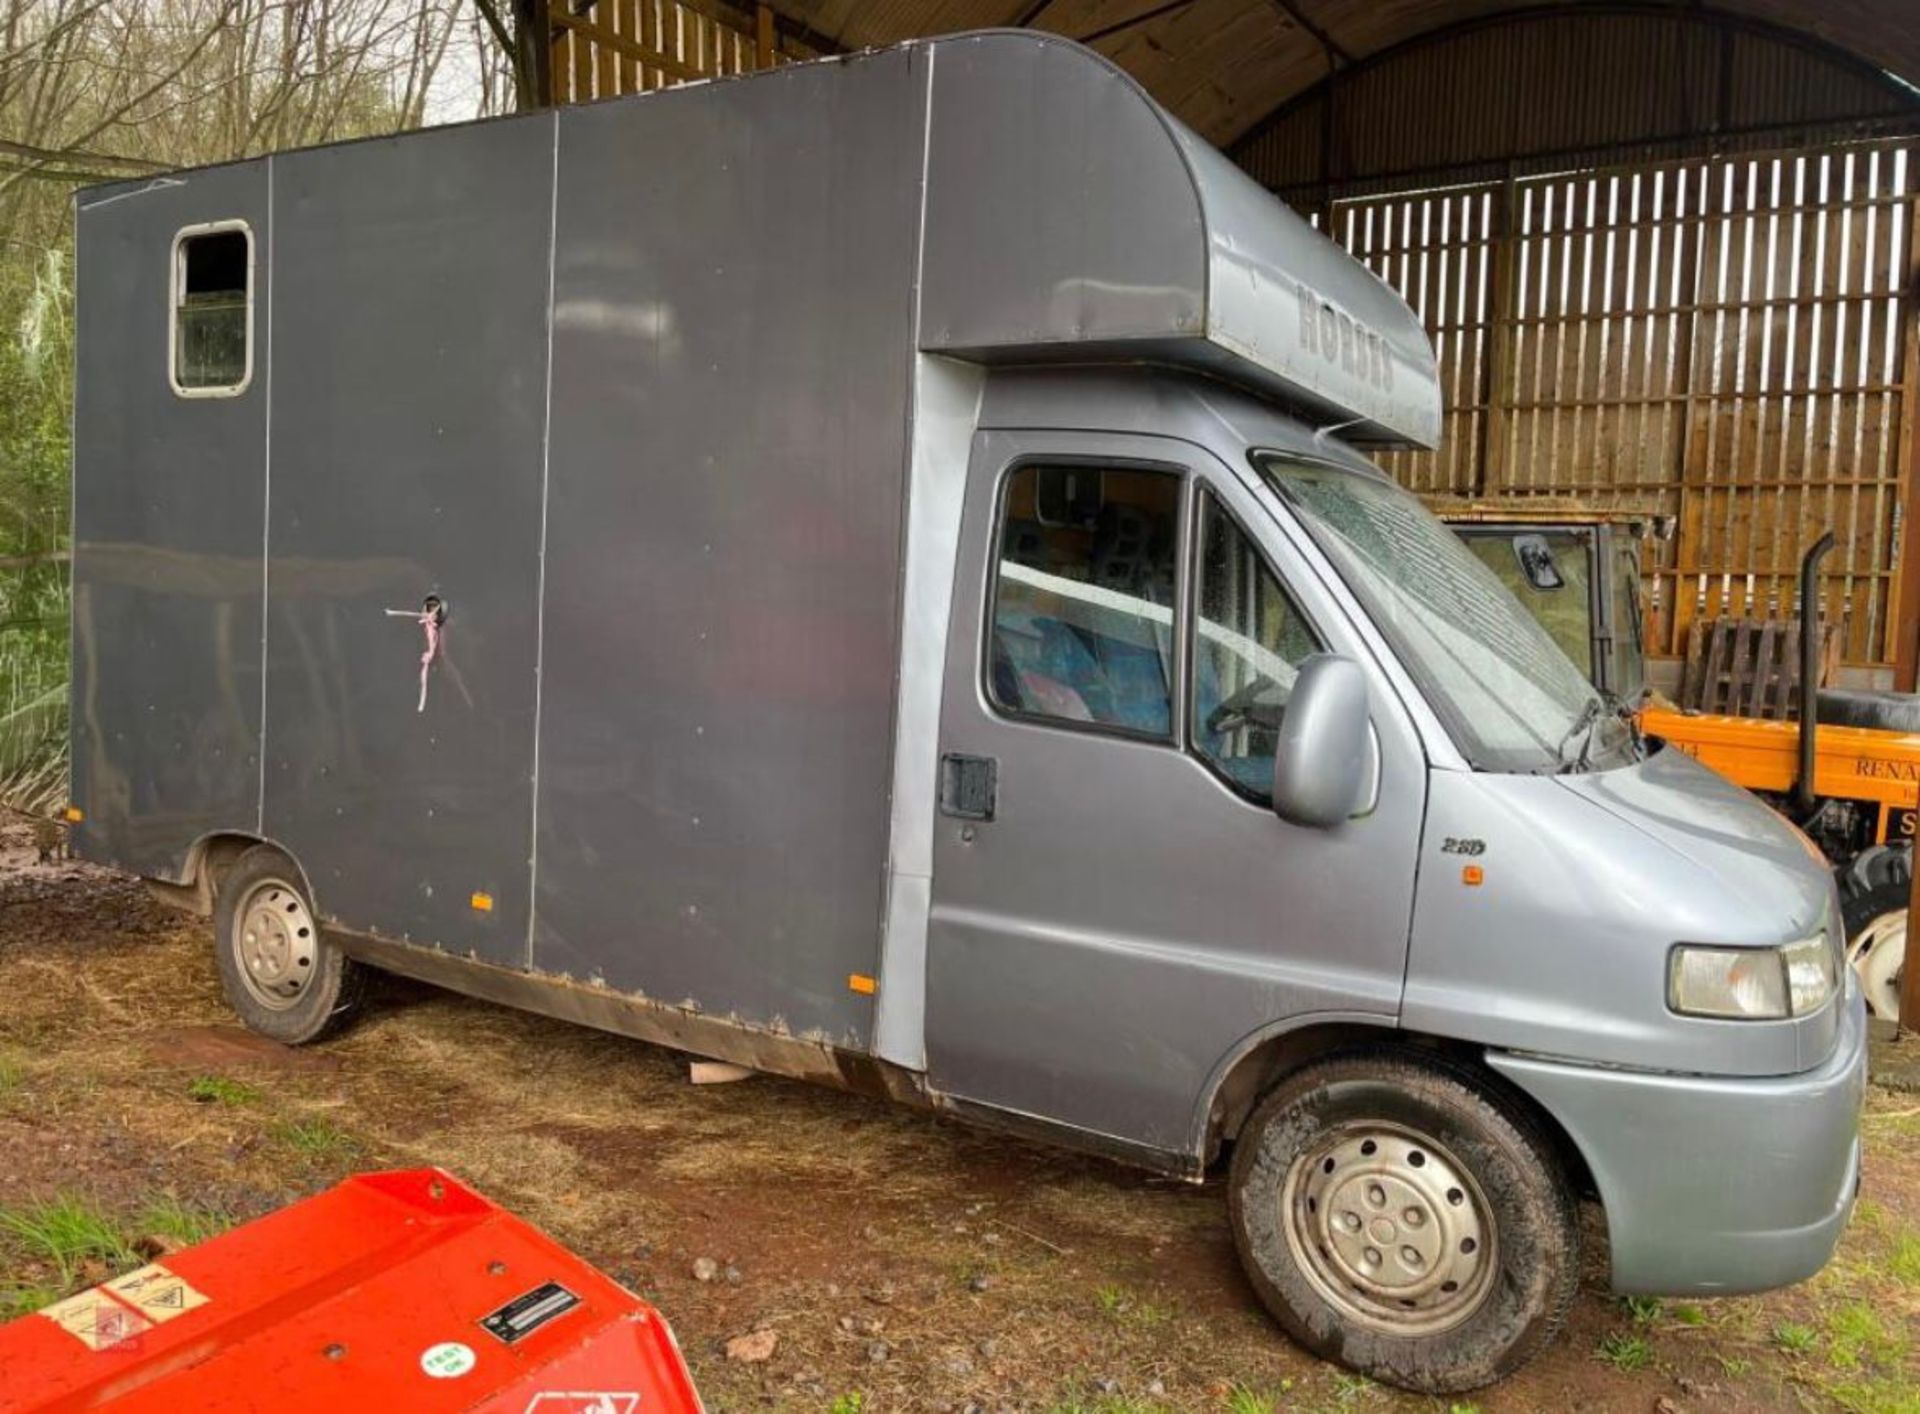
column 1119, row 1404
column 1795, row 1339
column 1857, row 1336
column 1626, row 1353
column 187, row 1223
column 1242, row 1400
column 71, row 1234
column 24, row 1300
column 1119, row 1304
column 853, row 1403
column 1903, row 1262
column 1645, row 1310
column 12, row 1073
column 66, row 1232
column 219, row 1090
column 317, row 1138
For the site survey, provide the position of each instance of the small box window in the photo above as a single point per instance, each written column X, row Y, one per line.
column 212, row 350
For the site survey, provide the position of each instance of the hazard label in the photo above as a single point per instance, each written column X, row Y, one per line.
column 96, row 1320
column 155, row 1293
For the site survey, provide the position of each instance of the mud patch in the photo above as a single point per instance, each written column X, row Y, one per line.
column 224, row 1048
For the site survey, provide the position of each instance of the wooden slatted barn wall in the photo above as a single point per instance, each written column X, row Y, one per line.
column 1727, row 342
column 614, row 47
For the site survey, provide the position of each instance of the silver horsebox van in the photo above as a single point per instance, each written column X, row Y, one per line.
column 867, row 572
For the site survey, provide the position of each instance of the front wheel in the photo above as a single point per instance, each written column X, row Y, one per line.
column 277, row 968
column 1874, row 891
column 1400, row 1217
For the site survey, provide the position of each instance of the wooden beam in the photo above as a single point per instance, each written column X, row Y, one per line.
column 764, row 39
column 1905, row 599
column 1336, row 55
column 1135, row 21
column 620, row 44
column 532, row 54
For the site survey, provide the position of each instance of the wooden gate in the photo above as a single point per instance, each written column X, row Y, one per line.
column 605, row 48
column 1727, row 342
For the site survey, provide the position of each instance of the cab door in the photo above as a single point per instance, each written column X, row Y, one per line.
column 1117, row 910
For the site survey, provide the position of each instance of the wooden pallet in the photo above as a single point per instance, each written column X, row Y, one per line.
column 1750, row 667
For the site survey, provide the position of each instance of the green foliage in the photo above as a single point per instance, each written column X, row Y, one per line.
column 36, row 375
column 851, row 1403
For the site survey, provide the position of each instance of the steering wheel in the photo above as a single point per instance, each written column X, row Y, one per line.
column 1261, row 703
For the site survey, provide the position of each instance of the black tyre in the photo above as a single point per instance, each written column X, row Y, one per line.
column 1400, row 1216
column 1875, row 889
column 277, row 968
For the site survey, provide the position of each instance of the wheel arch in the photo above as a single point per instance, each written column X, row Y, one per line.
column 209, row 858
column 1266, row 1057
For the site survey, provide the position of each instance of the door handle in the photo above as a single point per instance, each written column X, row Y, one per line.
column 969, row 786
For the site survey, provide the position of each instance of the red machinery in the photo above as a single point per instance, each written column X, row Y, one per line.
column 392, row 1291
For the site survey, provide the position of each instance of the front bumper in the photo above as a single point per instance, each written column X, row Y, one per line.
column 1715, row 1186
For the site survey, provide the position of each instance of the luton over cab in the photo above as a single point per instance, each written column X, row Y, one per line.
column 894, row 595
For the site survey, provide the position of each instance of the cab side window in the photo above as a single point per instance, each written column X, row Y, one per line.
column 1084, row 597
column 1248, row 644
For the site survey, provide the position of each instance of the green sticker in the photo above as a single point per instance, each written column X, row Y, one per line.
column 448, row 1360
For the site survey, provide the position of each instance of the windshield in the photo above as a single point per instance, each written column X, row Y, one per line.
column 1509, row 696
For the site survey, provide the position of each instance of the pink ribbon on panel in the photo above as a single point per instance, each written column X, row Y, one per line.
column 432, row 618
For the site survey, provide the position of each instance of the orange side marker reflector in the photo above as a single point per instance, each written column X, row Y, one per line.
column 74, row 814
column 483, row 903
column 863, row 984
column 1472, row 875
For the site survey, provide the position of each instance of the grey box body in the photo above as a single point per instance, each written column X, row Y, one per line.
column 631, row 386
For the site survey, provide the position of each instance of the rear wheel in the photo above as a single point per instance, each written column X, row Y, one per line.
column 1874, row 893
column 1397, row 1215
column 277, row 968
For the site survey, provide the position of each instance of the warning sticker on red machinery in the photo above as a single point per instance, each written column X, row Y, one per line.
column 156, row 1293
column 114, row 1312
column 96, row 1320
column 525, row 1314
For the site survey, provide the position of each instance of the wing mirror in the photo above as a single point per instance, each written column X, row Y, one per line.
column 1326, row 764
column 1537, row 562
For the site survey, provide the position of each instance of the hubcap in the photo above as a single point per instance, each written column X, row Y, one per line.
column 277, row 944
column 1877, row 952
column 1391, row 1228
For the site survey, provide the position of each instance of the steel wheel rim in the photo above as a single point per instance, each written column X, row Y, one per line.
column 1391, row 1229
column 276, row 944
column 1877, row 953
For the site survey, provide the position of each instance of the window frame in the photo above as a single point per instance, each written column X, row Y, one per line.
column 1193, row 554
column 1184, row 478
column 176, row 281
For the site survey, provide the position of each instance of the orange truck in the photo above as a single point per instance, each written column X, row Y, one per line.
column 1850, row 781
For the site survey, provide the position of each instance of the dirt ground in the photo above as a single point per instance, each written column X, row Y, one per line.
column 905, row 1263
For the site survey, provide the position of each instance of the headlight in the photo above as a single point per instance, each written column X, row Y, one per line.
column 1747, row 984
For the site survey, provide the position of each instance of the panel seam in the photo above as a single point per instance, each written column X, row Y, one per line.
column 266, row 506
column 540, row 592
